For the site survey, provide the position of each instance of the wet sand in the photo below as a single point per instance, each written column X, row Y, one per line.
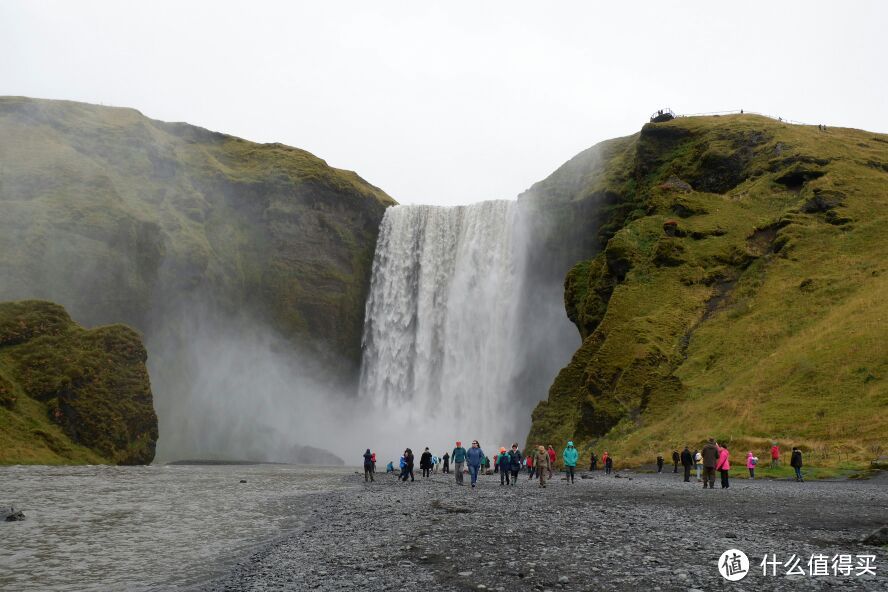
column 602, row 533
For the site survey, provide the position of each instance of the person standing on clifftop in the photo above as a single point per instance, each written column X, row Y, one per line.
column 368, row 466
column 675, row 459
column 459, row 459
column 687, row 461
column 795, row 461
column 710, row 459
column 775, row 456
column 425, row 463
column 475, row 456
column 541, row 464
column 723, row 466
column 570, row 457
column 446, row 458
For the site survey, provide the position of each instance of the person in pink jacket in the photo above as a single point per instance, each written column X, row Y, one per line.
column 723, row 465
column 751, row 461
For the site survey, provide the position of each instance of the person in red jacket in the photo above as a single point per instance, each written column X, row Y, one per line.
column 723, row 466
column 775, row 456
column 552, row 456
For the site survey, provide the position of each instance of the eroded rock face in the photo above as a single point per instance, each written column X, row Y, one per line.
column 87, row 391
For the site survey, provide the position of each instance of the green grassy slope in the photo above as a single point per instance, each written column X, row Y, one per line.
column 741, row 296
column 68, row 395
column 114, row 215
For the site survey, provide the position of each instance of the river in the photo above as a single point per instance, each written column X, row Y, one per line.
column 144, row 528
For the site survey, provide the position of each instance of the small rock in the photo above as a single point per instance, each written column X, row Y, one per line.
column 243, row 480
column 464, row 574
column 563, row 580
column 877, row 537
column 11, row 515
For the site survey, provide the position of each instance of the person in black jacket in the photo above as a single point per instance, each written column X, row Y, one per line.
column 796, row 462
column 593, row 461
column 515, row 459
column 446, row 459
column 408, row 468
column 368, row 466
column 659, row 463
column 687, row 461
column 675, row 459
column 425, row 463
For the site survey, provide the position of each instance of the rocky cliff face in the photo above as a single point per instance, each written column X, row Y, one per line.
column 737, row 294
column 71, row 395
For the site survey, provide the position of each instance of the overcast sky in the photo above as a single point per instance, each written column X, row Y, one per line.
column 450, row 102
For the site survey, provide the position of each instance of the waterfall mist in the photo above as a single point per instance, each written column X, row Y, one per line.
column 462, row 338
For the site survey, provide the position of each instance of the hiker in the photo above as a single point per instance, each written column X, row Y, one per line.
column 659, row 463
column 475, row 456
column 541, row 464
column 530, row 468
column 390, row 468
column 675, row 459
column 775, row 456
column 485, row 464
column 504, row 462
column 687, row 461
column 459, row 459
column 606, row 461
column 570, row 456
column 795, row 461
column 698, row 463
column 552, row 457
column 373, row 461
column 407, row 465
column 425, row 463
column 515, row 459
column 751, row 461
column 710, row 459
column 593, row 462
column 368, row 466
column 446, row 458
column 723, row 466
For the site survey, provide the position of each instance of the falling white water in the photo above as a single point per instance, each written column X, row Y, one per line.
column 442, row 338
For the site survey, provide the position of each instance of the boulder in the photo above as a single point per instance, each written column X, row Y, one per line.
column 11, row 515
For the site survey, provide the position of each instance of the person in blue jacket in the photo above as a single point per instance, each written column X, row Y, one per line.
column 474, row 457
column 504, row 462
column 570, row 456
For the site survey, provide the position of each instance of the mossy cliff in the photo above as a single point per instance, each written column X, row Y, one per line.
column 120, row 218
column 68, row 395
column 740, row 294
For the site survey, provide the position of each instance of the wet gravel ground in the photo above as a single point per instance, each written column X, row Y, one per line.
column 602, row 533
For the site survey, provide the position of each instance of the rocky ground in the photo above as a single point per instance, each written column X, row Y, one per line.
column 602, row 533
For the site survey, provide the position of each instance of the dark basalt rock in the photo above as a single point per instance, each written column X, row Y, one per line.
column 878, row 537
column 11, row 515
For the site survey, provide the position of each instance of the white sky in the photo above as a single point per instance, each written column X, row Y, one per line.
column 450, row 102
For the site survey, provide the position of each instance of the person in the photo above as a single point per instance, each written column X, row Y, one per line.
column 570, row 456
column 710, row 459
column 407, row 466
column 723, row 466
column 504, row 463
column 795, row 461
column 541, row 464
column 446, row 458
column 675, row 459
column 390, row 468
column 775, row 456
column 425, row 463
column 368, row 466
column 552, row 457
column 435, row 462
column 751, row 461
column 402, row 464
column 530, row 468
column 593, row 461
column 687, row 460
column 659, row 463
column 607, row 462
column 698, row 463
column 459, row 459
column 515, row 460
column 475, row 456
column 373, row 461
column 485, row 464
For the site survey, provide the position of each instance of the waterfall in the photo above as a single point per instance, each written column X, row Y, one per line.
column 445, row 344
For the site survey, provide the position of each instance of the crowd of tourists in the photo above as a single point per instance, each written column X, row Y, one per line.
column 540, row 462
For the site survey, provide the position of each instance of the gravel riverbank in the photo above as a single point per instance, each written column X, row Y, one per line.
column 602, row 533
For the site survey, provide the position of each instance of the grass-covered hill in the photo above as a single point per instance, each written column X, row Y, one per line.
column 68, row 395
column 740, row 293
column 119, row 217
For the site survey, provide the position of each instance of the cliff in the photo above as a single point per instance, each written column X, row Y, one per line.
column 69, row 395
column 739, row 293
